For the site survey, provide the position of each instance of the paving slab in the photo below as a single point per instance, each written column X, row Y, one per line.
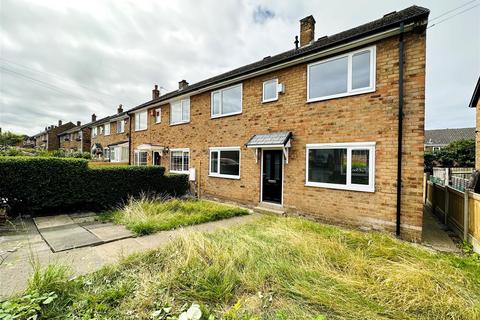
column 83, row 217
column 66, row 237
column 53, row 221
column 108, row 231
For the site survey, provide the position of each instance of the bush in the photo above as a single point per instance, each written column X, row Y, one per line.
column 34, row 185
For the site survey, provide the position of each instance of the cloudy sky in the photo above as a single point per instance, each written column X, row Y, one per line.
column 68, row 59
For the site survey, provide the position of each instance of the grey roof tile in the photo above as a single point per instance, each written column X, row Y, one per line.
column 273, row 138
column 445, row 136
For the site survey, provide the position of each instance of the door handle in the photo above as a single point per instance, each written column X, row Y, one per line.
column 272, row 181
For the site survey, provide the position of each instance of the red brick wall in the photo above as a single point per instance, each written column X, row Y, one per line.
column 114, row 137
column 361, row 118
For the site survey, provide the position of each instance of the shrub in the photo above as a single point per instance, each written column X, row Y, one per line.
column 39, row 184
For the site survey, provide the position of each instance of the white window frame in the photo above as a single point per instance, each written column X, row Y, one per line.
column 158, row 115
column 349, row 146
column 218, row 174
column 106, row 153
column 181, row 110
column 220, row 115
column 189, row 160
column 107, row 132
column 350, row 91
column 136, row 158
column 94, row 131
column 137, row 123
column 121, row 124
column 276, row 90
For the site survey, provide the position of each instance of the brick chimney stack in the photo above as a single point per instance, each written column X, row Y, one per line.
column 94, row 117
column 59, row 123
column 119, row 109
column 155, row 92
column 182, row 84
column 79, row 123
column 307, row 31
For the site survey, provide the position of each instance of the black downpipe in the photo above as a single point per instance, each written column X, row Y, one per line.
column 400, row 128
column 129, row 140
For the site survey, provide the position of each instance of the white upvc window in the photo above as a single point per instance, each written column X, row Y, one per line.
column 179, row 160
column 106, row 153
column 225, row 162
column 140, row 158
column 344, row 75
column 141, row 120
column 227, row 101
column 347, row 166
column 107, row 129
column 121, row 126
column 158, row 115
column 94, row 131
column 180, row 111
column 270, row 92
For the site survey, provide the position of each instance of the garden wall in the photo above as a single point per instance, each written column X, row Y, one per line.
column 37, row 185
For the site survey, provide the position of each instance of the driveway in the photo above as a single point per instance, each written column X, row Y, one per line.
column 41, row 240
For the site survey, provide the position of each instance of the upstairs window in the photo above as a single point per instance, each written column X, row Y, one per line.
column 107, row 129
column 94, row 131
column 120, row 126
column 225, row 162
column 141, row 120
column 100, row 130
column 179, row 160
column 340, row 76
column 158, row 115
column 180, row 112
column 270, row 92
column 227, row 101
column 348, row 166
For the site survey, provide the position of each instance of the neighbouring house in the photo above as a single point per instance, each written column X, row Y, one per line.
column 475, row 104
column 436, row 139
column 48, row 139
column 76, row 138
column 317, row 130
column 110, row 137
column 28, row 142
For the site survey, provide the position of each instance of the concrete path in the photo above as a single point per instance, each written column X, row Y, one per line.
column 434, row 234
column 18, row 248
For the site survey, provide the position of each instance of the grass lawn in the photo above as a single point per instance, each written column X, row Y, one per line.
column 147, row 216
column 273, row 268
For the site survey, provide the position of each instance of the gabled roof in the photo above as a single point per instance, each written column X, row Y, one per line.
column 269, row 139
column 445, row 136
column 387, row 22
column 475, row 96
column 105, row 119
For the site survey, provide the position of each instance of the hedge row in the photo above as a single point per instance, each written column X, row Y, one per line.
column 34, row 185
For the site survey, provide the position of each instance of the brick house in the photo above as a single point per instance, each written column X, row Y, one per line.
column 474, row 103
column 110, row 137
column 75, row 139
column 48, row 139
column 437, row 139
column 312, row 131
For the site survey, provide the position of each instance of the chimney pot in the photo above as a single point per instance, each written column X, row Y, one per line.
column 94, row 117
column 79, row 123
column 119, row 109
column 59, row 123
column 155, row 92
column 307, row 30
column 182, row 84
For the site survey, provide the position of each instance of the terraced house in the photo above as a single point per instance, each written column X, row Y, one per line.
column 332, row 129
column 75, row 139
column 110, row 137
column 48, row 139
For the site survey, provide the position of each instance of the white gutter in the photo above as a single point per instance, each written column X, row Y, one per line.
column 347, row 46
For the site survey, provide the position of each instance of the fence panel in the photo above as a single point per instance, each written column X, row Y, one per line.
column 456, row 205
column 474, row 215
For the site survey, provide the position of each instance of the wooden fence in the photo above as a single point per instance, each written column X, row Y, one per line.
column 460, row 210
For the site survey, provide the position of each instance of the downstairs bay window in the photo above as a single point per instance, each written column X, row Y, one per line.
column 348, row 166
column 179, row 160
column 225, row 162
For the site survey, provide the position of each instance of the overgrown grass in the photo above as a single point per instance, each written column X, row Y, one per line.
column 149, row 215
column 283, row 268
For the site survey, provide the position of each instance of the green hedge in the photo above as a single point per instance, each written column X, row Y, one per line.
column 33, row 185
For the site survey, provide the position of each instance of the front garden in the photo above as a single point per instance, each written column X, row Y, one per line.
column 271, row 268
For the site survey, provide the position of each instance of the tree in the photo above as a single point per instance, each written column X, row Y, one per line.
column 10, row 139
column 459, row 153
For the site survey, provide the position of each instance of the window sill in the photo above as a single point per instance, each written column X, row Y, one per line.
column 360, row 188
column 270, row 100
column 179, row 123
column 342, row 95
column 225, row 115
column 179, row 172
column 158, row 122
column 224, row 176
column 139, row 130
